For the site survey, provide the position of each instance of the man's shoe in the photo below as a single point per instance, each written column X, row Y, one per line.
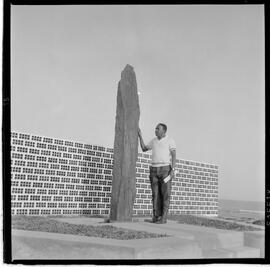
column 162, row 221
column 156, row 219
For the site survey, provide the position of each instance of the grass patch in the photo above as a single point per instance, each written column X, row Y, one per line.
column 211, row 222
column 45, row 224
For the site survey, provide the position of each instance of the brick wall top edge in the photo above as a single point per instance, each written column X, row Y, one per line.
column 110, row 150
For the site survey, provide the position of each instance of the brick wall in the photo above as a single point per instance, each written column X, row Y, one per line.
column 52, row 177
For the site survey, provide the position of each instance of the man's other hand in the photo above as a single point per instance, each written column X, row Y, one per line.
column 172, row 173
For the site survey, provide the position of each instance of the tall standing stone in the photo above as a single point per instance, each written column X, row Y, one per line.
column 125, row 147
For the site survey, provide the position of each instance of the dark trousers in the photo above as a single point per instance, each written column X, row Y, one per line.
column 161, row 191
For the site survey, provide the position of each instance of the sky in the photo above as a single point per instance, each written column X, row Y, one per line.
column 199, row 69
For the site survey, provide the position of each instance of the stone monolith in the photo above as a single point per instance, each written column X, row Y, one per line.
column 125, row 147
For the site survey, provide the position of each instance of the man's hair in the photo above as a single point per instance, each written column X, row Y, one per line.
column 164, row 126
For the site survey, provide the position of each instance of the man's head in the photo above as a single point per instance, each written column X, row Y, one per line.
column 161, row 130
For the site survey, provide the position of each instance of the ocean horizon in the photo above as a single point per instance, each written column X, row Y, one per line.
column 243, row 205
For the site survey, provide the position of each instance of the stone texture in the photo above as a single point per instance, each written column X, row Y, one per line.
column 125, row 147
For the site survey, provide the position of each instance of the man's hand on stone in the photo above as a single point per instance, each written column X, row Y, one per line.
column 139, row 132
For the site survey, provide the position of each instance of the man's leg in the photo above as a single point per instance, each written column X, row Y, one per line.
column 155, row 194
column 160, row 201
column 165, row 193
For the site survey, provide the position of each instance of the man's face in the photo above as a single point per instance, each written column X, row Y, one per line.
column 159, row 131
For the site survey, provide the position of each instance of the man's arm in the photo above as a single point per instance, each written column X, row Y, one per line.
column 143, row 146
column 173, row 153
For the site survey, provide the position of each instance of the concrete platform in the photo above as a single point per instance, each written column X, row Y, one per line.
column 255, row 239
column 184, row 241
column 40, row 245
column 233, row 252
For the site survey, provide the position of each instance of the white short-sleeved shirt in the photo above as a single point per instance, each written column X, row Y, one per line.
column 161, row 149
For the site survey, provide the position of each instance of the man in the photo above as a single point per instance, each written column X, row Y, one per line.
column 163, row 164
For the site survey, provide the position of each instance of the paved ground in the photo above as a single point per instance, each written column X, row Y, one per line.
column 184, row 241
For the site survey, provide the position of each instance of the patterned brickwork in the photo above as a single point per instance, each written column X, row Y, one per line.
column 56, row 177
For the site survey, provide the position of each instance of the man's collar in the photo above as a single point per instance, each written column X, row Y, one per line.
column 165, row 136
